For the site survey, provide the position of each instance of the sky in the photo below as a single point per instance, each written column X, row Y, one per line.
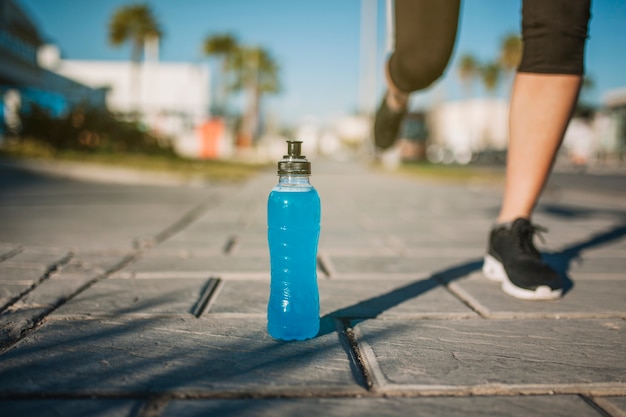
column 317, row 44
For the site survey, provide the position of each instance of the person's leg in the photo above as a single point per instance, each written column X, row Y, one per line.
column 425, row 31
column 544, row 95
column 541, row 105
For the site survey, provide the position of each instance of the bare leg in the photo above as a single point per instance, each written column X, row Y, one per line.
column 541, row 106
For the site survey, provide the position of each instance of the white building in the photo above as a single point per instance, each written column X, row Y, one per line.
column 461, row 129
column 23, row 82
column 172, row 98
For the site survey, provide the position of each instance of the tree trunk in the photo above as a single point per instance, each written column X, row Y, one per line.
column 135, row 80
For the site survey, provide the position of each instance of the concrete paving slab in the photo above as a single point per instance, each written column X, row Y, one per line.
column 243, row 250
column 571, row 225
column 103, row 217
column 8, row 250
column 191, row 245
column 183, row 252
column 241, row 297
column 120, row 297
column 600, row 240
column 230, row 243
column 350, row 298
column 384, row 297
column 386, row 264
column 177, row 355
column 20, row 275
column 98, row 263
column 614, row 406
column 333, row 240
column 447, row 251
column 461, row 353
column 587, row 265
column 470, row 225
column 38, row 301
column 600, row 252
column 70, row 408
column 14, row 283
column 549, row 406
column 347, row 250
column 56, row 289
column 31, row 258
column 15, row 320
column 9, row 292
column 204, row 235
column 255, row 238
column 211, row 265
column 587, row 298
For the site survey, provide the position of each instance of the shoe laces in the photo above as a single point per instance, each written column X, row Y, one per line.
column 526, row 233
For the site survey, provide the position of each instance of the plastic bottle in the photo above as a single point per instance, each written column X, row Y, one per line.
column 293, row 219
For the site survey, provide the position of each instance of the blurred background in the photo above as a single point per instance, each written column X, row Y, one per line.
column 232, row 80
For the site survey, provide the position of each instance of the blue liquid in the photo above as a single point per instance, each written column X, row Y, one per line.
column 293, row 218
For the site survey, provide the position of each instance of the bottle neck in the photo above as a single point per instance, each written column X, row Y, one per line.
column 293, row 180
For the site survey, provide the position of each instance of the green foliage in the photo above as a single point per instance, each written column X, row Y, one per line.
column 133, row 23
column 244, row 68
column 467, row 70
column 491, row 73
column 254, row 68
column 510, row 52
column 177, row 167
column 90, row 131
column 250, row 67
column 223, row 45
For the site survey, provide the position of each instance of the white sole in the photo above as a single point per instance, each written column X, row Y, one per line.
column 494, row 270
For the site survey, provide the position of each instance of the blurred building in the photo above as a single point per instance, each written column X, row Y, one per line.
column 613, row 128
column 413, row 136
column 459, row 131
column 19, row 40
column 21, row 74
column 597, row 137
column 467, row 130
column 171, row 99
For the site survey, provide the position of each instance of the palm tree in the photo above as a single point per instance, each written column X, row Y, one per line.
column 510, row 54
column 225, row 47
column 220, row 45
column 249, row 69
column 134, row 24
column 467, row 71
column 490, row 74
column 256, row 73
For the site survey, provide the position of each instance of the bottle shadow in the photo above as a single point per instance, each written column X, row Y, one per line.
column 373, row 307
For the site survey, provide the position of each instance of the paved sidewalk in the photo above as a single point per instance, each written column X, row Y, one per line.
column 150, row 301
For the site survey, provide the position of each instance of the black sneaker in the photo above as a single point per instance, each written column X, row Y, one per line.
column 387, row 124
column 513, row 259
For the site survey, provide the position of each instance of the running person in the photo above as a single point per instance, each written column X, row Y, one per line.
column 544, row 94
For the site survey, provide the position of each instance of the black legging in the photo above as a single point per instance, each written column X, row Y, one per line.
column 553, row 33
